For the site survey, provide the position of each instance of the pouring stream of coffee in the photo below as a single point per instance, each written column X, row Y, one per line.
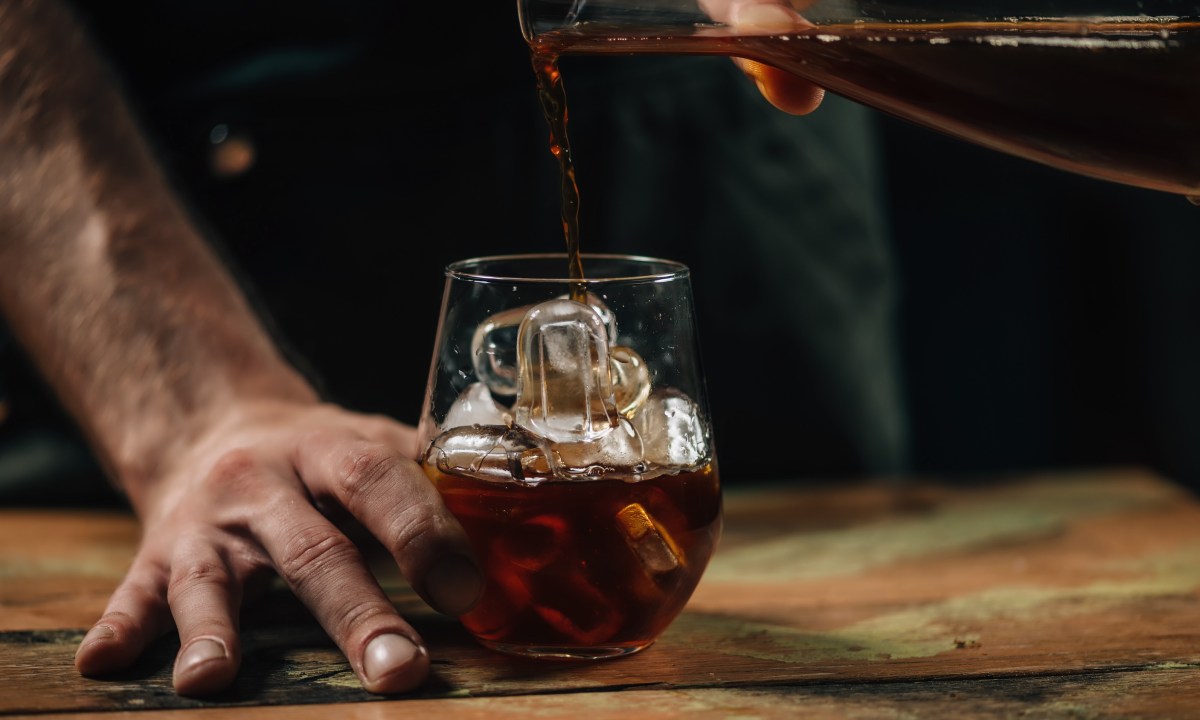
column 553, row 97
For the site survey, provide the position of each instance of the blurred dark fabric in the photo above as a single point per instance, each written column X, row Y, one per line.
column 1048, row 320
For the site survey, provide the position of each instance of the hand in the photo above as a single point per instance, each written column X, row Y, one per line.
column 252, row 496
column 782, row 89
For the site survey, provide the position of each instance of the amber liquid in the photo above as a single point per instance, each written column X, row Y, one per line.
column 1118, row 100
column 567, row 573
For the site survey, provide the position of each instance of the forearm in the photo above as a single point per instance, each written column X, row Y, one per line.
column 103, row 278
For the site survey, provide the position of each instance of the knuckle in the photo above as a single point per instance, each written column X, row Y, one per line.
column 313, row 553
column 415, row 526
column 319, row 438
column 141, row 592
column 235, row 471
column 357, row 619
column 364, row 468
column 201, row 572
column 122, row 622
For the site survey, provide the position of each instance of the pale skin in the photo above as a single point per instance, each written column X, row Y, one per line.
column 230, row 459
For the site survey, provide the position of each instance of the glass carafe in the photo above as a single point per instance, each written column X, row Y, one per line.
column 1104, row 88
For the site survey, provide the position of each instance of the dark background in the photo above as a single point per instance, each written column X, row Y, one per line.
column 1045, row 320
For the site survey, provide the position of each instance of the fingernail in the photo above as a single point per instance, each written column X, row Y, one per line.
column 767, row 17
column 100, row 632
column 201, row 650
column 388, row 653
column 96, row 634
column 454, row 585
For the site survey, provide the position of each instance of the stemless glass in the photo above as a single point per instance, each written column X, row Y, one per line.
column 572, row 441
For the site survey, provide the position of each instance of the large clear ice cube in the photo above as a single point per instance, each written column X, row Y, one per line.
column 494, row 345
column 672, row 430
column 565, row 391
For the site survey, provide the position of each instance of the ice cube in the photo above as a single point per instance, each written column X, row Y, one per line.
column 494, row 344
column 565, row 392
column 568, row 393
column 672, row 430
column 493, row 351
column 630, row 379
column 484, row 452
column 475, row 406
column 648, row 540
column 619, row 452
column 607, row 316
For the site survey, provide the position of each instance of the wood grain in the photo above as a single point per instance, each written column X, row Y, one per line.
column 1156, row 693
column 1077, row 588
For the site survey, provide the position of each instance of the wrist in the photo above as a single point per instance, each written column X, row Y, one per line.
column 151, row 448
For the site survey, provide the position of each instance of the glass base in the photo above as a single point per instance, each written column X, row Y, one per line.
column 564, row 652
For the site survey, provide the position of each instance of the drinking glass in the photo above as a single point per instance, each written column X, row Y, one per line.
column 1104, row 88
column 571, row 438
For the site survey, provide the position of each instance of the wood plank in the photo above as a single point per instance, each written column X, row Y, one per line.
column 1160, row 692
column 58, row 568
column 1047, row 576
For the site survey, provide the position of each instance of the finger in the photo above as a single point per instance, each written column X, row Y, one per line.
column 135, row 616
column 782, row 89
column 393, row 498
column 325, row 570
column 204, row 597
column 381, row 428
column 773, row 16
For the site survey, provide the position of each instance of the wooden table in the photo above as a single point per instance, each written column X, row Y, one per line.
column 1045, row 596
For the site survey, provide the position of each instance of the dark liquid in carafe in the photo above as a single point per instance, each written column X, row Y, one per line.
column 1118, row 99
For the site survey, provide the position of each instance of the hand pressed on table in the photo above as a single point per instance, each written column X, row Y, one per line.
column 230, row 461
column 248, row 500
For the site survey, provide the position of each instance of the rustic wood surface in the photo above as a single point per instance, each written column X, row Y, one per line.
column 1058, row 595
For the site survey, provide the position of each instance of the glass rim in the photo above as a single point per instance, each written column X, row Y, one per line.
column 676, row 270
